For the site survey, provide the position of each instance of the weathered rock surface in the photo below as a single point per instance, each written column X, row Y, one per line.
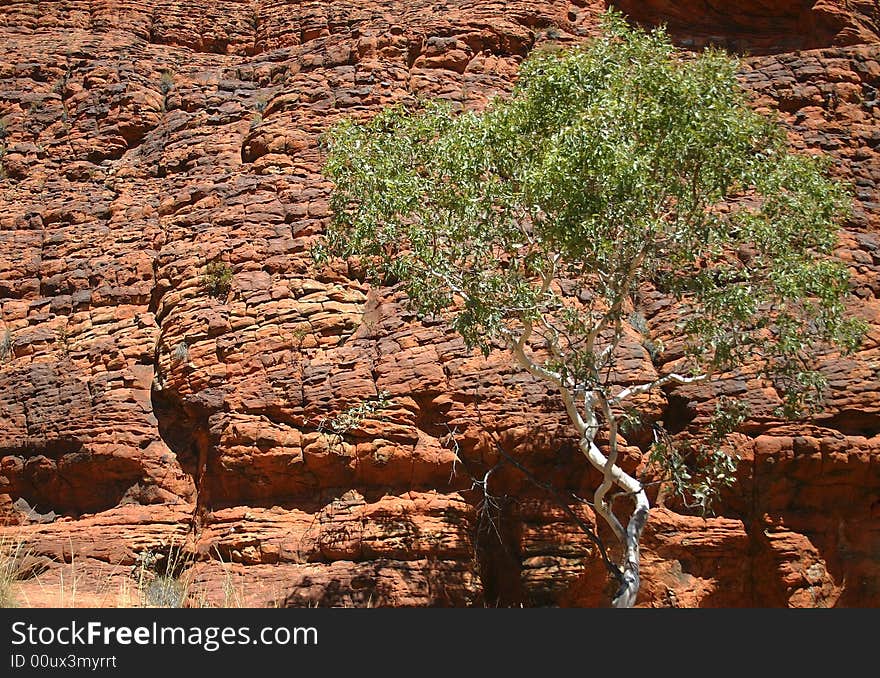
column 761, row 27
column 146, row 408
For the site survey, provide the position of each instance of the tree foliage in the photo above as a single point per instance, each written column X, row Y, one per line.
column 614, row 166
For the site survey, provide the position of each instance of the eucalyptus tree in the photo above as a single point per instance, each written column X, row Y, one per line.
column 620, row 164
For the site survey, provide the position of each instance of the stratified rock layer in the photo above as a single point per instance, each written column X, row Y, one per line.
column 759, row 26
column 148, row 408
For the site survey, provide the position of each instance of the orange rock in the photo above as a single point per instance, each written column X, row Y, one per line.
column 140, row 413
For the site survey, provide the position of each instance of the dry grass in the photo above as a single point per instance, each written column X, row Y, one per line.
column 62, row 585
column 13, row 553
column 233, row 592
column 163, row 577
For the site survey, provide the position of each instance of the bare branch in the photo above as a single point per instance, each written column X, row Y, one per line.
column 613, row 313
column 517, row 347
column 657, row 383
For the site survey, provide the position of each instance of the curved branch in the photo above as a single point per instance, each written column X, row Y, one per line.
column 626, row 280
column 629, row 586
column 630, row 536
column 607, row 477
column 657, row 383
column 517, row 347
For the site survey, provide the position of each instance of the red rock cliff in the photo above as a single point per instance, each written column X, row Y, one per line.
column 144, row 140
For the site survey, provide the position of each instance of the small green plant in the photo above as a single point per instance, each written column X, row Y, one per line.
column 63, row 337
column 180, row 354
column 630, row 421
column 355, row 415
column 217, row 279
column 298, row 335
column 145, row 561
column 166, row 82
column 160, row 577
column 553, row 33
column 6, row 351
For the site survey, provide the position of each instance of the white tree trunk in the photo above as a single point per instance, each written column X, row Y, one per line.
column 587, row 425
column 630, row 536
column 629, row 587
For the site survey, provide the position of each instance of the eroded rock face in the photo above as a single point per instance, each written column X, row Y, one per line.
column 174, row 369
column 761, row 27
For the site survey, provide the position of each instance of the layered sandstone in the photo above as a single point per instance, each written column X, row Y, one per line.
column 143, row 411
column 759, row 26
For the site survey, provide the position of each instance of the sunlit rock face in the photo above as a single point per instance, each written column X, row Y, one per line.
column 759, row 26
column 174, row 367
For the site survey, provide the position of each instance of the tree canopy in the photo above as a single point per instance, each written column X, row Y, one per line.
column 612, row 166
